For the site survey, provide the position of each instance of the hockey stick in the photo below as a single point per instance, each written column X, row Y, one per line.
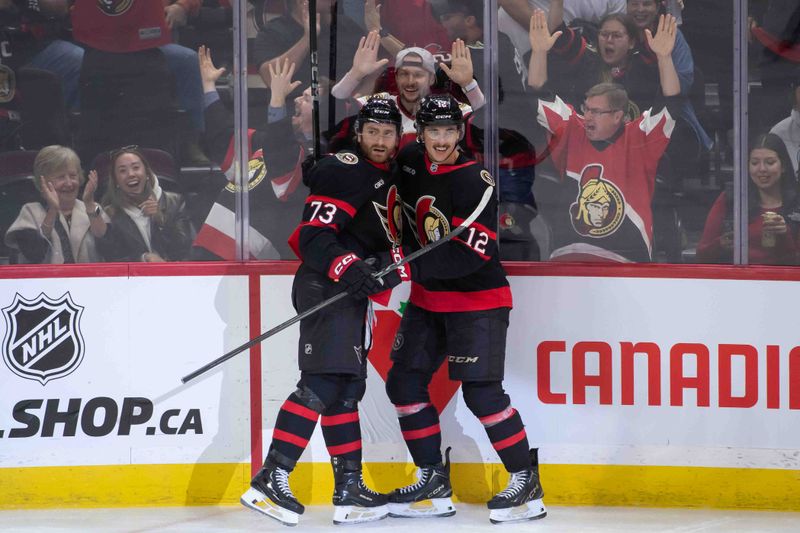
column 487, row 195
column 313, row 56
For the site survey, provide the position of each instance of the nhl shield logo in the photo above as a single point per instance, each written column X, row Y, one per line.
column 43, row 340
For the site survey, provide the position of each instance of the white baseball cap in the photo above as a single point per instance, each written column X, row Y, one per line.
column 415, row 57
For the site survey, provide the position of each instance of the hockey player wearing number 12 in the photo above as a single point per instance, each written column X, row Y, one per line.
column 350, row 213
column 458, row 310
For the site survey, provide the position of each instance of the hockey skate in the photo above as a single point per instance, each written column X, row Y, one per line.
column 269, row 494
column 429, row 496
column 521, row 499
column 353, row 501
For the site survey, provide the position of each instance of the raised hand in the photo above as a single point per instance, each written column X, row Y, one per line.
column 49, row 193
column 540, row 37
column 372, row 15
column 149, row 207
column 281, row 81
column 175, row 16
column 365, row 60
column 663, row 42
column 209, row 74
column 460, row 69
column 90, row 189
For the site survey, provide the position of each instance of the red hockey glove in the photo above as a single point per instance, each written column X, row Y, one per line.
column 356, row 275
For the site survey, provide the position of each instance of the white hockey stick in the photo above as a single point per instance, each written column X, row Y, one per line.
column 487, row 195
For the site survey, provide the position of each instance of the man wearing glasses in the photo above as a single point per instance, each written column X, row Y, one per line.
column 608, row 166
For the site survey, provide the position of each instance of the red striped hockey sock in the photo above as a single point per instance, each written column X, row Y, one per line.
column 419, row 423
column 342, row 431
column 507, row 435
column 293, row 428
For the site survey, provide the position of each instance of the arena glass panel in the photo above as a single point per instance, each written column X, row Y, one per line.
column 107, row 82
column 771, row 215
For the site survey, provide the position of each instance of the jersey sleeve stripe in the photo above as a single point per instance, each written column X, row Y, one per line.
column 341, row 204
column 482, row 256
column 478, row 226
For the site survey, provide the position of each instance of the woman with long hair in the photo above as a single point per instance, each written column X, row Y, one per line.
column 773, row 212
column 147, row 223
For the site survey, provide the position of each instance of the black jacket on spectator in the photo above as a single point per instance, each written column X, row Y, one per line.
column 171, row 240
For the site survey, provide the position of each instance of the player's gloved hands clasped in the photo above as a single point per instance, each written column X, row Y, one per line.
column 400, row 274
column 359, row 281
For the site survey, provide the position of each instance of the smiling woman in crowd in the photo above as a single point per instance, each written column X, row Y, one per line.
column 147, row 223
column 59, row 228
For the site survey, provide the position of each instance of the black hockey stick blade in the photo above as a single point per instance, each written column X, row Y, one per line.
column 487, row 195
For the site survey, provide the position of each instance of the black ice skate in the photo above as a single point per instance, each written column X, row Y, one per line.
column 269, row 493
column 429, row 496
column 522, row 499
column 353, row 501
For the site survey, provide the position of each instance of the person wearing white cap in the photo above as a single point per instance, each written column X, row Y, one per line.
column 415, row 73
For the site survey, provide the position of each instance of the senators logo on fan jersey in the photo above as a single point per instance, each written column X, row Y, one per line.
column 391, row 216
column 429, row 224
column 600, row 208
column 114, row 8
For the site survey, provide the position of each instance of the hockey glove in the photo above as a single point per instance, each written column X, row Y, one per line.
column 395, row 277
column 356, row 276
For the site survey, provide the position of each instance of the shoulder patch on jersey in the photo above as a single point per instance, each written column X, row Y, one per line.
column 347, row 158
column 485, row 176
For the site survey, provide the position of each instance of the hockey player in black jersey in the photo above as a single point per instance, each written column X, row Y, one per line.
column 344, row 221
column 458, row 310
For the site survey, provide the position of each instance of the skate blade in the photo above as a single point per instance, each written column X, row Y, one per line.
column 257, row 501
column 533, row 510
column 353, row 514
column 440, row 507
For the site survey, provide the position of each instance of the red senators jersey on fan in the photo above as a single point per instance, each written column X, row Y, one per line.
column 465, row 273
column 606, row 213
column 120, row 25
column 352, row 207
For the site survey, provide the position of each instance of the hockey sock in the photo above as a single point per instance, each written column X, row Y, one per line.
column 419, row 423
column 342, row 431
column 507, row 435
column 293, row 428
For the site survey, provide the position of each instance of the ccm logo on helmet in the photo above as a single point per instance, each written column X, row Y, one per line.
column 462, row 359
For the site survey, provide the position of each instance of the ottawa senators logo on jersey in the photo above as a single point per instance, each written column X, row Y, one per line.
column 114, row 8
column 391, row 216
column 256, row 172
column 600, row 208
column 8, row 84
column 429, row 224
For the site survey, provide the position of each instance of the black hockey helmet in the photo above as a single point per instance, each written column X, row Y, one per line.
column 439, row 109
column 380, row 110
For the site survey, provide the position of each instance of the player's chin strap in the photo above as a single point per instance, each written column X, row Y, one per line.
column 487, row 196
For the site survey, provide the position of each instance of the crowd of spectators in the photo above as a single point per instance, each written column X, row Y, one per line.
column 614, row 120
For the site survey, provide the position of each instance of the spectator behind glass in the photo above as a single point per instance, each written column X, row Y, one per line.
column 644, row 14
column 415, row 75
column 788, row 129
column 147, row 223
column 608, row 166
column 28, row 32
column 287, row 37
column 281, row 145
column 60, row 228
column 121, row 27
column 773, row 214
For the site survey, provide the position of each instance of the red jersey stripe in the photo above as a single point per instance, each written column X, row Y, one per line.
column 341, row 204
column 478, row 226
column 454, row 302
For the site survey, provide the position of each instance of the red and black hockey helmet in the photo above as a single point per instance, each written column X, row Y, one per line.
column 380, row 110
column 439, row 109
